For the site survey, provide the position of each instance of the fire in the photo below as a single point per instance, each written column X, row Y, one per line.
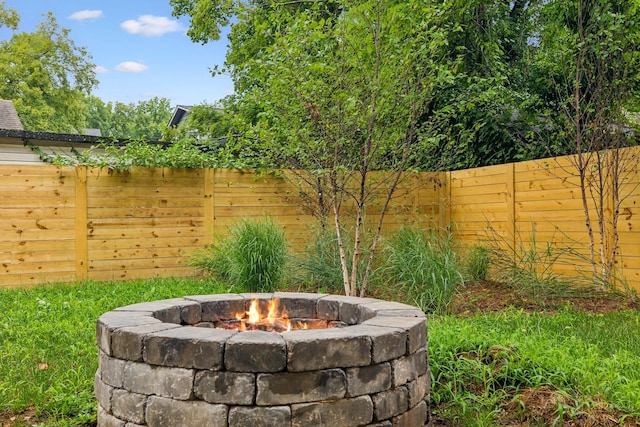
column 269, row 316
column 276, row 318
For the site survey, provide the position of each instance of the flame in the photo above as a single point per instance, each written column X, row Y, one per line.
column 253, row 314
column 275, row 319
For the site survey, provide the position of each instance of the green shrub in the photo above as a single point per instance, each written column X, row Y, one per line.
column 321, row 264
column 252, row 256
column 424, row 265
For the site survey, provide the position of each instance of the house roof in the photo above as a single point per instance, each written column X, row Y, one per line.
column 92, row 132
column 8, row 116
column 179, row 114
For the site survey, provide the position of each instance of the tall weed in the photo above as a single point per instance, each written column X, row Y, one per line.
column 477, row 262
column 424, row 265
column 251, row 257
column 527, row 266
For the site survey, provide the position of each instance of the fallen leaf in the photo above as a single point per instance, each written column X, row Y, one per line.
column 43, row 366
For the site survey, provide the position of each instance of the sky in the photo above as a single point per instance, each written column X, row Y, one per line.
column 139, row 49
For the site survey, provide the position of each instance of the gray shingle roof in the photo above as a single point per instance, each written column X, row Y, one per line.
column 8, row 116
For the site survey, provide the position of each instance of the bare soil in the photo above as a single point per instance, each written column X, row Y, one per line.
column 487, row 297
column 539, row 406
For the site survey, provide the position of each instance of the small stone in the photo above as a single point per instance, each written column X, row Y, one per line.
column 109, row 322
column 368, row 379
column 409, row 367
column 219, row 307
column 126, row 343
column 415, row 417
column 231, row 388
column 163, row 412
column 390, row 403
column 176, row 383
column 327, row 348
column 241, row 416
column 344, row 413
column 294, row 387
column 255, row 351
column 187, row 347
column 128, row 406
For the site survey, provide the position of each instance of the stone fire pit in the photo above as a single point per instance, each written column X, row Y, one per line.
column 164, row 363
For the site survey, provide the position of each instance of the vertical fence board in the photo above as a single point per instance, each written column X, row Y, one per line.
column 82, row 259
column 209, row 205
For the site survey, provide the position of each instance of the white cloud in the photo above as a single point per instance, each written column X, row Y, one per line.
column 82, row 15
column 131, row 67
column 151, row 26
column 100, row 69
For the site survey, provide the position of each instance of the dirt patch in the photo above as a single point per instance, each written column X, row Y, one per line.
column 482, row 297
column 546, row 406
column 26, row 418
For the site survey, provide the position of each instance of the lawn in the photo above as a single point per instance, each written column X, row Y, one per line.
column 532, row 365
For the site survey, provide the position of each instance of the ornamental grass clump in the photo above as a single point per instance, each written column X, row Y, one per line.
column 320, row 265
column 251, row 257
column 425, row 266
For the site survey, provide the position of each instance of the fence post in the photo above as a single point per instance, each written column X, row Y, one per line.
column 510, row 178
column 82, row 267
column 209, row 204
column 445, row 199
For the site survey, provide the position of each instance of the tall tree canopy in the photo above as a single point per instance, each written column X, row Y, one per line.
column 45, row 74
column 144, row 119
column 501, row 102
column 333, row 91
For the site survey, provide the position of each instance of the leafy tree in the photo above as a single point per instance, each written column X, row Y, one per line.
column 45, row 74
column 97, row 113
column 8, row 17
column 204, row 122
column 145, row 119
column 590, row 56
column 485, row 114
column 337, row 89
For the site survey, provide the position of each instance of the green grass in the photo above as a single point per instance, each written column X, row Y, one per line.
column 479, row 364
column 482, row 362
column 48, row 355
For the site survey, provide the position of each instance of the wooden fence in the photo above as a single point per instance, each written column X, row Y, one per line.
column 68, row 224
column 539, row 203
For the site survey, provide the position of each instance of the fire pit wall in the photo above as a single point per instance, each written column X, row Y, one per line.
column 159, row 367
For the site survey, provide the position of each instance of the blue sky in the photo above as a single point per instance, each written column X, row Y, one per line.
column 140, row 50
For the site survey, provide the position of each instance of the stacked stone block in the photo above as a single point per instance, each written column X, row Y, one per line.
column 157, row 368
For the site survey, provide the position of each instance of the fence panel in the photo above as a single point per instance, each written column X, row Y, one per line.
column 143, row 223
column 539, row 203
column 37, row 224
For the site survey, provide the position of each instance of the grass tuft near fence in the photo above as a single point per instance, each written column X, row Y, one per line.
column 251, row 257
